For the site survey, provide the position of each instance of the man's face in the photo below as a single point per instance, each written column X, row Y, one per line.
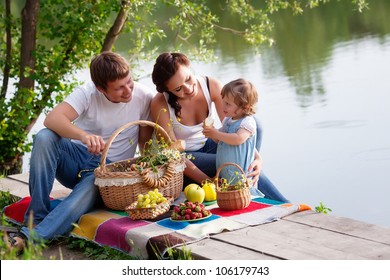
column 120, row 90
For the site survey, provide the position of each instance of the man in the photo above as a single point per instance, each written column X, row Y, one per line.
column 69, row 149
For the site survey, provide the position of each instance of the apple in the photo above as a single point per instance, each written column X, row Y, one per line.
column 209, row 189
column 189, row 186
column 195, row 194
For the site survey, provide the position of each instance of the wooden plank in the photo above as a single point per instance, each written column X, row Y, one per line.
column 23, row 177
column 17, row 185
column 324, row 238
column 342, row 225
column 15, row 188
column 216, row 250
column 280, row 245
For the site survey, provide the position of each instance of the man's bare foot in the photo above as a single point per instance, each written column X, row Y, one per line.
column 16, row 241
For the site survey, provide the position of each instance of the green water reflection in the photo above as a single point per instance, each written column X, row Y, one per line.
column 303, row 43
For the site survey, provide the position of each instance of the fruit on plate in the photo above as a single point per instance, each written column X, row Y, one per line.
column 195, row 193
column 150, row 199
column 189, row 211
column 209, row 189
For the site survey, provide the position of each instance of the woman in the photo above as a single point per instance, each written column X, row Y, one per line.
column 181, row 105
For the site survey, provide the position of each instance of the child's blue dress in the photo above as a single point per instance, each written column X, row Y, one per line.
column 243, row 155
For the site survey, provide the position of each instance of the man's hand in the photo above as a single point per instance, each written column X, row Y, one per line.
column 94, row 143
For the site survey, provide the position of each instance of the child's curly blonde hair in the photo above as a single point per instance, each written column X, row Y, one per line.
column 244, row 94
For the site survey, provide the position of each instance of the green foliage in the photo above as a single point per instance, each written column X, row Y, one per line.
column 172, row 253
column 69, row 33
column 96, row 252
column 33, row 250
column 6, row 198
column 322, row 209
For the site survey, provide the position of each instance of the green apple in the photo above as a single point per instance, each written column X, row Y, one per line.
column 195, row 194
column 189, row 186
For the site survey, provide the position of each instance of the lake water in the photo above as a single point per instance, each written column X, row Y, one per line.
column 324, row 105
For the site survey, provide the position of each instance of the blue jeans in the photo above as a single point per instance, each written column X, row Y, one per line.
column 205, row 160
column 54, row 157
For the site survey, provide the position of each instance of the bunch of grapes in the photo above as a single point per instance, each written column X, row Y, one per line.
column 150, row 200
column 189, row 211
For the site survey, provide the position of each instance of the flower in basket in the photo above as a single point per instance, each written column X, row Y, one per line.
column 236, row 181
column 233, row 193
column 158, row 152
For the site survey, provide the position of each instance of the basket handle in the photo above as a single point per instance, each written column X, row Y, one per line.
column 216, row 178
column 123, row 127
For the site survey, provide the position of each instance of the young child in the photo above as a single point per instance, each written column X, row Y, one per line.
column 237, row 137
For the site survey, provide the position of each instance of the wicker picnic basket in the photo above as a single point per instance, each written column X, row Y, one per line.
column 232, row 199
column 120, row 182
column 148, row 213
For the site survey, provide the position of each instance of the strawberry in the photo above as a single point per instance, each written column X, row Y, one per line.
column 174, row 216
column 189, row 204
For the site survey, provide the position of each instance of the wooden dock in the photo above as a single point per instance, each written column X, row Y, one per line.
column 304, row 235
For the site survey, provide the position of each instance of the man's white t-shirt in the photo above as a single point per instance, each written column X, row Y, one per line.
column 99, row 116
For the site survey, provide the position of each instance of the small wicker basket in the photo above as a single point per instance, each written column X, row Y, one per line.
column 119, row 183
column 232, row 199
column 148, row 213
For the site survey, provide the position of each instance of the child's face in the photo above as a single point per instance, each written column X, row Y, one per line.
column 230, row 109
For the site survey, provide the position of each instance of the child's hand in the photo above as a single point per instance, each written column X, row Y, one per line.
column 210, row 132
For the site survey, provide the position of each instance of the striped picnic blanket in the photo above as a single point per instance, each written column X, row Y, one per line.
column 144, row 238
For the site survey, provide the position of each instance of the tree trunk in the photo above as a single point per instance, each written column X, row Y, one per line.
column 28, row 43
column 27, row 61
column 7, row 64
column 117, row 27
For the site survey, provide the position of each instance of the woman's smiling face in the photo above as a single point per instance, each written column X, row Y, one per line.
column 183, row 83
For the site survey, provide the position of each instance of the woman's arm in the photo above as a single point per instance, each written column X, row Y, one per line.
column 194, row 173
column 215, row 94
column 145, row 133
column 160, row 114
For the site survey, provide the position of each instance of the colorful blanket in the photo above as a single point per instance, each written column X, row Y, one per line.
column 144, row 238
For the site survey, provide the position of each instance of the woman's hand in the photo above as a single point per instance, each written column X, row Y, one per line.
column 179, row 145
column 255, row 169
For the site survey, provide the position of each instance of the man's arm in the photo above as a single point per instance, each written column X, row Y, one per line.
column 60, row 120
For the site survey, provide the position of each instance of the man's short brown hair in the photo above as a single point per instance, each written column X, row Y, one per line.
column 107, row 67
